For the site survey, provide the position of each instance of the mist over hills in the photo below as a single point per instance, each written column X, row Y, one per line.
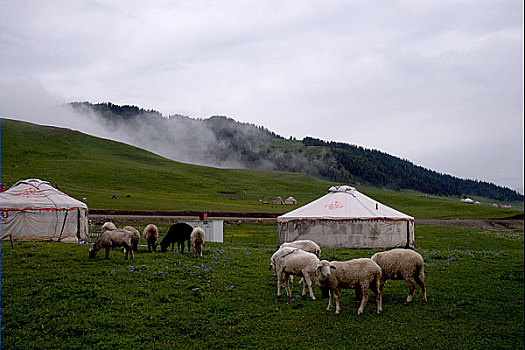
column 223, row 142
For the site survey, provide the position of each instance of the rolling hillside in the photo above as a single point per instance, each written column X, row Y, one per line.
column 221, row 141
column 89, row 167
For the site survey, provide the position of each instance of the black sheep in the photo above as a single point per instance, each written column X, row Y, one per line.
column 177, row 233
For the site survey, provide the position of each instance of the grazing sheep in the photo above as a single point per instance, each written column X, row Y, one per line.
column 110, row 239
column 151, row 233
column 197, row 238
column 294, row 261
column 406, row 264
column 108, row 226
column 179, row 233
column 362, row 274
column 306, row 245
column 135, row 237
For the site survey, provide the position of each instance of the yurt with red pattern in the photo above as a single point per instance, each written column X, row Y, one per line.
column 33, row 210
column 345, row 217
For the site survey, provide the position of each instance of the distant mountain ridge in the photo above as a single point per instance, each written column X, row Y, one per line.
column 223, row 142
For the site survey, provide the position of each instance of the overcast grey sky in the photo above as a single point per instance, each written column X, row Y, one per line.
column 437, row 82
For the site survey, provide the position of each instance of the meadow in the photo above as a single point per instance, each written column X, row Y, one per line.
column 54, row 297
column 88, row 167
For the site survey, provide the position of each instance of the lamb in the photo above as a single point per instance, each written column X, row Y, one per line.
column 360, row 274
column 294, row 261
column 179, row 233
column 306, row 245
column 406, row 264
column 108, row 226
column 151, row 233
column 135, row 237
column 197, row 238
column 110, row 239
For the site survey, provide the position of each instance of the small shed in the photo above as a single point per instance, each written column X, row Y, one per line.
column 213, row 229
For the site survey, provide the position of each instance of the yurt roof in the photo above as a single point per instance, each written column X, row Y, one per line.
column 35, row 194
column 344, row 203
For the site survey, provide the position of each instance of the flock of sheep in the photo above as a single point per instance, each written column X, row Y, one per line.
column 299, row 258
column 128, row 238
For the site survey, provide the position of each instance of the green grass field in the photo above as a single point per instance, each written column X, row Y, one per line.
column 54, row 297
column 88, row 167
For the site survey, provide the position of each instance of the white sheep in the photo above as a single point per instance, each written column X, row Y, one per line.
column 108, row 226
column 197, row 239
column 403, row 264
column 360, row 274
column 135, row 237
column 151, row 233
column 110, row 239
column 294, row 261
column 306, row 245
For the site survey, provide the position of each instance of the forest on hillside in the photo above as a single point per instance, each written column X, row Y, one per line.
column 223, row 142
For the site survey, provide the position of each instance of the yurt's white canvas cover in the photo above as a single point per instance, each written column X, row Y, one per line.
column 347, row 218
column 34, row 210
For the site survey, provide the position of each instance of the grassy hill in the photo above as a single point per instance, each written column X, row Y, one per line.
column 223, row 142
column 89, row 167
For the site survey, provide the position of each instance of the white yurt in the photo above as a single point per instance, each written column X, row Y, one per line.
column 347, row 218
column 290, row 200
column 34, row 210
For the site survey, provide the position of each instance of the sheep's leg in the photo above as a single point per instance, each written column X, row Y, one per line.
column 329, row 307
column 279, row 276
column 376, row 288
column 287, row 285
column 357, row 289
column 420, row 282
column 379, row 301
column 107, row 252
column 411, row 290
column 336, row 296
column 131, row 252
column 309, row 282
column 126, row 250
column 364, row 301
column 382, row 285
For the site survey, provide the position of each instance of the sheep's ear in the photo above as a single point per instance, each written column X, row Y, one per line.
column 333, row 267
